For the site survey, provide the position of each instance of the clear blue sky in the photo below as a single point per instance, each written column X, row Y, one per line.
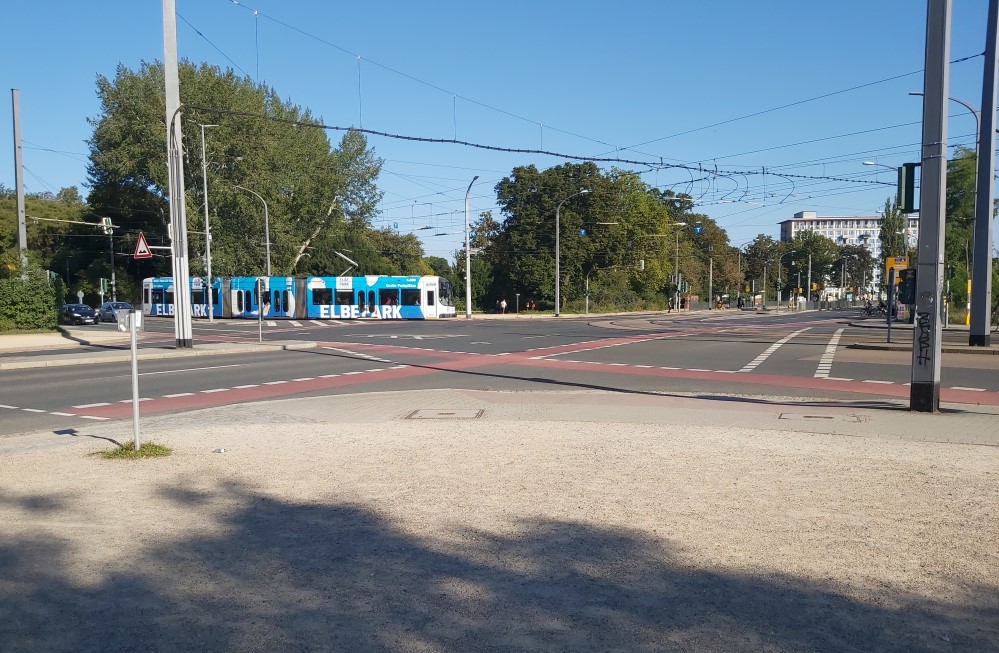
column 636, row 80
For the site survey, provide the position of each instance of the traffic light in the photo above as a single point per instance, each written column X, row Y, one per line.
column 907, row 187
column 907, row 286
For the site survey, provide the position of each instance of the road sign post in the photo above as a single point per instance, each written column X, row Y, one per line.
column 130, row 320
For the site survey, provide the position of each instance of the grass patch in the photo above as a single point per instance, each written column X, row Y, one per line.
column 146, row 450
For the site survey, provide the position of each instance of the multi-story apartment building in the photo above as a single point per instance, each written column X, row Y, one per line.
column 861, row 230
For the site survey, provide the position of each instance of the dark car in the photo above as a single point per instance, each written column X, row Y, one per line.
column 106, row 312
column 77, row 314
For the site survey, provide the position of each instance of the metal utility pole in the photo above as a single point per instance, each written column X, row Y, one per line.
column 981, row 273
column 711, row 282
column 468, row 258
column 22, row 231
column 809, row 289
column 924, row 393
column 175, row 169
column 210, row 305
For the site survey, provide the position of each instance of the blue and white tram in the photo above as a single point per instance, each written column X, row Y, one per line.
column 373, row 297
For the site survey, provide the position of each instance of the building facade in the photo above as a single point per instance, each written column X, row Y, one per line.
column 860, row 230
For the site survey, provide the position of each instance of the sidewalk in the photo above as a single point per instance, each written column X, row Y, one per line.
column 530, row 521
column 901, row 333
column 23, row 351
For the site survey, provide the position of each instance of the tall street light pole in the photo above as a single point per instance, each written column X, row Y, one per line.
column 208, row 231
column 558, row 250
column 267, row 227
column 676, row 267
column 468, row 257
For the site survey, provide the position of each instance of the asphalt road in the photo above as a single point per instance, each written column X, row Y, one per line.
column 802, row 356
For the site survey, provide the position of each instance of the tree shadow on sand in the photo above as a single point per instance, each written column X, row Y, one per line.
column 281, row 576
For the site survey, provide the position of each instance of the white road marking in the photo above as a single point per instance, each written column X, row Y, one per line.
column 206, row 392
column 33, row 410
column 874, row 381
column 248, row 385
column 94, row 417
column 825, row 363
column 97, row 405
column 756, row 362
column 959, row 387
column 64, row 414
column 179, row 394
column 188, row 369
column 294, row 323
column 274, row 382
column 11, row 407
column 305, row 378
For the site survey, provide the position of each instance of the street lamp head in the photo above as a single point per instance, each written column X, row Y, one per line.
column 584, row 191
column 679, row 224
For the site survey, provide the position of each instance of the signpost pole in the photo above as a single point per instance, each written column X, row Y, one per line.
column 891, row 298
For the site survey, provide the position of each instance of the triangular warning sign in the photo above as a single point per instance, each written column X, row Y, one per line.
column 141, row 248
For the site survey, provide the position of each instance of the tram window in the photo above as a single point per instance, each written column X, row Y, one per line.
column 371, row 301
column 145, row 296
column 411, row 297
column 197, row 297
column 157, row 297
column 388, row 297
column 284, row 301
column 276, row 302
column 168, row 297
column 430, row 298
column 360, row 299
column 322, row 296
column 344, row 297
column 239, row 301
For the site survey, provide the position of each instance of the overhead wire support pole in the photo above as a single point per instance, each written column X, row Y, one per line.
column 468, row 257
column 22, row 230
column 924, row 393
column 175, row 170
column 981, row 272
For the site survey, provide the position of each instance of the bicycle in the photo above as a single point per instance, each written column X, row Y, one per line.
column 875, row 311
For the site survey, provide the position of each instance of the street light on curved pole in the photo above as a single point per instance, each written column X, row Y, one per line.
column 558, row 271
column 468, row 258
column 676, row 267
column 267, row 227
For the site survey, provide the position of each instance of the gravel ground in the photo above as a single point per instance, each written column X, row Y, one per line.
column 320, row 534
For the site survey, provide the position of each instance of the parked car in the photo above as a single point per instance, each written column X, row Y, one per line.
column 106, row 312
column 77, row 314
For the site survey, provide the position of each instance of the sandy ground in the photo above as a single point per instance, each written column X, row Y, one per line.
column 497, row 536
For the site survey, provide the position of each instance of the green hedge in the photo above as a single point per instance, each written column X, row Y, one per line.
column 27, row 301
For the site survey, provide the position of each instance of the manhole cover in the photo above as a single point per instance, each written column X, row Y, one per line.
column 798, row 417
column 446, row 413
